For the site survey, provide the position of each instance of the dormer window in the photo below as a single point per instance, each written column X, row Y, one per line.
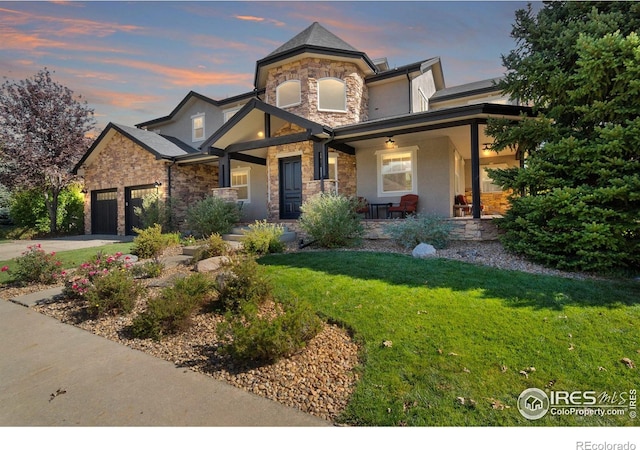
column 332, row 95
column 288, row 94
column 197, row 127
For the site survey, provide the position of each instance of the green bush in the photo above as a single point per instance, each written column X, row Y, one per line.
column 27, row 209
column 37, row 266
column 331, row 220
column 113, row 292
column 263, row 238
column 171, row 311
column 212, row 246
column 252, row 336
column 154, row 211
column 212, row 215
column 151, row 242
column 242, row 281
column 148, row 269
column 421, row 228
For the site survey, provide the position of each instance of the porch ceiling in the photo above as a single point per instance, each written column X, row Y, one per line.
column 460, row 137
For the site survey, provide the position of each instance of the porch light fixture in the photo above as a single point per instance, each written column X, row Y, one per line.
column 260, row 134
column 157, row 184
column 390, row 142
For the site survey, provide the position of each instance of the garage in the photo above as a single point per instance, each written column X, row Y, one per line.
column 104, row 211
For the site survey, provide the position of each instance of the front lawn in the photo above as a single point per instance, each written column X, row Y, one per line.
column 446, row 343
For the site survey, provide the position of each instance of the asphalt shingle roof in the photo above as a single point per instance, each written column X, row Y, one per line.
column 161, row 145
column 317, row 36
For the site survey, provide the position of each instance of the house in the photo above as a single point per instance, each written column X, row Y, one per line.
column 323, row 117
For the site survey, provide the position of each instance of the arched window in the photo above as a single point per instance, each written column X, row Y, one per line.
column 332, row 95
column 288, row 94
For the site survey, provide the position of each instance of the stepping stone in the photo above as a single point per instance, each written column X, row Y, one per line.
column 37, row 298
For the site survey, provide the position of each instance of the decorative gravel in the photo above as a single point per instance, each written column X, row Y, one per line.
column 319, row 380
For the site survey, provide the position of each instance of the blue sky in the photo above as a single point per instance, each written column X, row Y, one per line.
column 135, row 61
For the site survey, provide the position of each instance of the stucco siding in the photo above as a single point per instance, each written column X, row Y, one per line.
column 389, row 99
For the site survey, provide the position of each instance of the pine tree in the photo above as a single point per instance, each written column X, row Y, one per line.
column 576, row 202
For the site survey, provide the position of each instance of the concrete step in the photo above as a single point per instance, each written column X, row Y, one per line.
column 287, row 236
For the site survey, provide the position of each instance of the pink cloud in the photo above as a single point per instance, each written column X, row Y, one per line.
column 275, row 22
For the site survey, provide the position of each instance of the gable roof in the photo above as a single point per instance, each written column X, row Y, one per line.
column 246, row 118
column 191, row 95
column 314, row 39
column 162, row 147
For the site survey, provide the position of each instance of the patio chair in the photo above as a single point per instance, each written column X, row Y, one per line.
column 363, row 206
column 408, row 205
column 461, row 207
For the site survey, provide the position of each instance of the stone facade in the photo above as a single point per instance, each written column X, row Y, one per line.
column 463, row 229
column 308, row 71
column 122, row 163
column 493, row 202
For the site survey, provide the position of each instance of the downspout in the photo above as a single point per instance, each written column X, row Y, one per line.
column 410, row 92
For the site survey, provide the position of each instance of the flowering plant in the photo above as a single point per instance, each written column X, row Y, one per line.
column 84, row 277
column 36, row 266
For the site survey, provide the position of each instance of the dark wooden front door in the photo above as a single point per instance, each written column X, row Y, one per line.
column 290, row 187
column 104, row 212
column 133, row 197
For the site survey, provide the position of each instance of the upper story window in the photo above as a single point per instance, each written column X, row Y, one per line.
column 229, row 113
column 288, row 94
column 197, row 127
column 332, row 95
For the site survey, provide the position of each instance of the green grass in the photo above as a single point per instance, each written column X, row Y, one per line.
column 454, row 326
column 71, row 258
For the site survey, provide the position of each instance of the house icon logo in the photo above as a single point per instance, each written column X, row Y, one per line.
column 533, row 403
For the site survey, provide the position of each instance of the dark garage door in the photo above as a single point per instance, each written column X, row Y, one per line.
column 104, row 212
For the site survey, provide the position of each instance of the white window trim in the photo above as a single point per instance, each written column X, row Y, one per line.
column 193, row 129
column 242, row 171
column 414, row 163
column 344, row 85
column 230, row 110
column 290, row 104
column 335, row 164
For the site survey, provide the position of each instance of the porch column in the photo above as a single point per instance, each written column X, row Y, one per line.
column 224, row 171
column 320, row 158
column 475, row 169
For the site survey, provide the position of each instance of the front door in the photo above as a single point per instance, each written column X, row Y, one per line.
column 290, row 187
column 133, row 197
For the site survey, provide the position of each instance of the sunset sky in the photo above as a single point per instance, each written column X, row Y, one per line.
column 135, row 61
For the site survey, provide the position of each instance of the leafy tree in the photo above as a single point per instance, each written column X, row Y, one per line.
column 576, row 201
column 43, row 129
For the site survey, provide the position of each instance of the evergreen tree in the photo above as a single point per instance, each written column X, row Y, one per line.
column 576, row 201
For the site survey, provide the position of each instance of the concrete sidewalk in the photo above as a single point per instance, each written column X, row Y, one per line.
column 10, row 250
column 53, row 374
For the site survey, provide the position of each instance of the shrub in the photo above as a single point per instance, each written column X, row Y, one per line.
column 27, row 209
column 151, row 242
column 171, row 311
column 212, row 215
column 243, row 281
column 37, row 266
column 114, row 292
column 154, row 211
column 262, row 338
column 213, row 246
column 421, row 228
column 78, row 283
column 331, row 220
column 148, row 269
column 263, row 238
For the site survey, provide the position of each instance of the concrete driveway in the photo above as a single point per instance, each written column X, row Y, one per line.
column 12, row 249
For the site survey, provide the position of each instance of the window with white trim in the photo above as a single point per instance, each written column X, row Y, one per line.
column 397, row 172
column 486, row 182
column 333, row 166
column 332, row 95
column 229, row 113
column 197, row 127
column 240, row 180
column 288, row 94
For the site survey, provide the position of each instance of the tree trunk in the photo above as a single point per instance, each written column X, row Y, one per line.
column 51, row 202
